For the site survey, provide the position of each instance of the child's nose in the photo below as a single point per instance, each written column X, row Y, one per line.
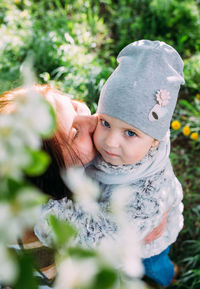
column 112, row 140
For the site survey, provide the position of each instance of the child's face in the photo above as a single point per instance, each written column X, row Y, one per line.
column 120, row 143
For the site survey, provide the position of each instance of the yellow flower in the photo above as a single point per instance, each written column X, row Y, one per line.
column 183, row 117
column 186, row 130
column 197, row 96
column 175, row 124
column 194, row 136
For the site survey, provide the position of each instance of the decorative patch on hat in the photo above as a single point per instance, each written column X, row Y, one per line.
column 158, row 111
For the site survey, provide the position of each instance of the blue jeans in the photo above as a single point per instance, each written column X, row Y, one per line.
column 159, row 268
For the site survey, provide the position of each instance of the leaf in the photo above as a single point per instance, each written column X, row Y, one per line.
column 62, row 229
column 9, row 188
column 105, row 279
column 39, row 163
column 189, row 106
column 81, row 252
column 26, row 278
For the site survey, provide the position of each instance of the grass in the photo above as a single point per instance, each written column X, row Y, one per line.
column 185, row 252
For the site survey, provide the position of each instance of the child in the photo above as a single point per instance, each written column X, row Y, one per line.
column 135, row 108
column 134, row 113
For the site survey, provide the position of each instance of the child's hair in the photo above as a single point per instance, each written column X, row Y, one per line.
column 143, row 89
column 50, row 182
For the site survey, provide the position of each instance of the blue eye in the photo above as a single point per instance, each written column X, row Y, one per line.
column 105, row 123
column 130, row 133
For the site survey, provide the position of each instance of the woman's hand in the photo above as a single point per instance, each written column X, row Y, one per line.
column 157, row 231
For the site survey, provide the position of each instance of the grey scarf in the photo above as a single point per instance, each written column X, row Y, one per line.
column 155, row 160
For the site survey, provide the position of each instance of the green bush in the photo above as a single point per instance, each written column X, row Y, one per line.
column 64, row 39
column 176, row 22
column 192, row 72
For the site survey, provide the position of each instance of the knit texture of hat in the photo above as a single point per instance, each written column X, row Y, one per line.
column 143, row 89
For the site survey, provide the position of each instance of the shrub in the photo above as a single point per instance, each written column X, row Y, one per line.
column 176, row 22
column 192, row 72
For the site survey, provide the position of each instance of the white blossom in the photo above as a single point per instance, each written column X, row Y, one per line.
column 69, row 38
column 8, row 266
column 19, row 214
column 12, row 163
column 40, row 122
column 27, row 72
column 22, row 128
column 134, row 284
column 29, row 201
column 85, row 190
column 73, row 273
column 20, row 131
column 124, row 250
column 131, row 251
column 7, row 220
column 119, row 199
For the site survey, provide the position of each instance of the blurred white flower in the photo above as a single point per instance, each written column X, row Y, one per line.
column 20, row 131
column 131, row 251
column 26, row 70
column 11, row 163
column 119, row 199
column 7, row 220
column 124, row 250
column 134, row 284
column 69, row 38
column 17, row 132
column 109, row 251
column 73, row 273
column 86, row 191
column 6, row 124
column 22, row 213
column 8, row 266
column 23, row 128
column 42, row 121
column 29, row 202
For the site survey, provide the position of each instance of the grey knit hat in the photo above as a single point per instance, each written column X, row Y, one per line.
column 143, row 89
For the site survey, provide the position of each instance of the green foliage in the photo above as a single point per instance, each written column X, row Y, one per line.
column 191, row 109
column 155, row 19
column 80, row 252
column 191, row 261
column 105, row 279
column 63, row 231
column 192, row 72
column 63, row 37
column 39, row 162
column 9, row 189
column 188, row 115
column 186, row 251
column 25, row 273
